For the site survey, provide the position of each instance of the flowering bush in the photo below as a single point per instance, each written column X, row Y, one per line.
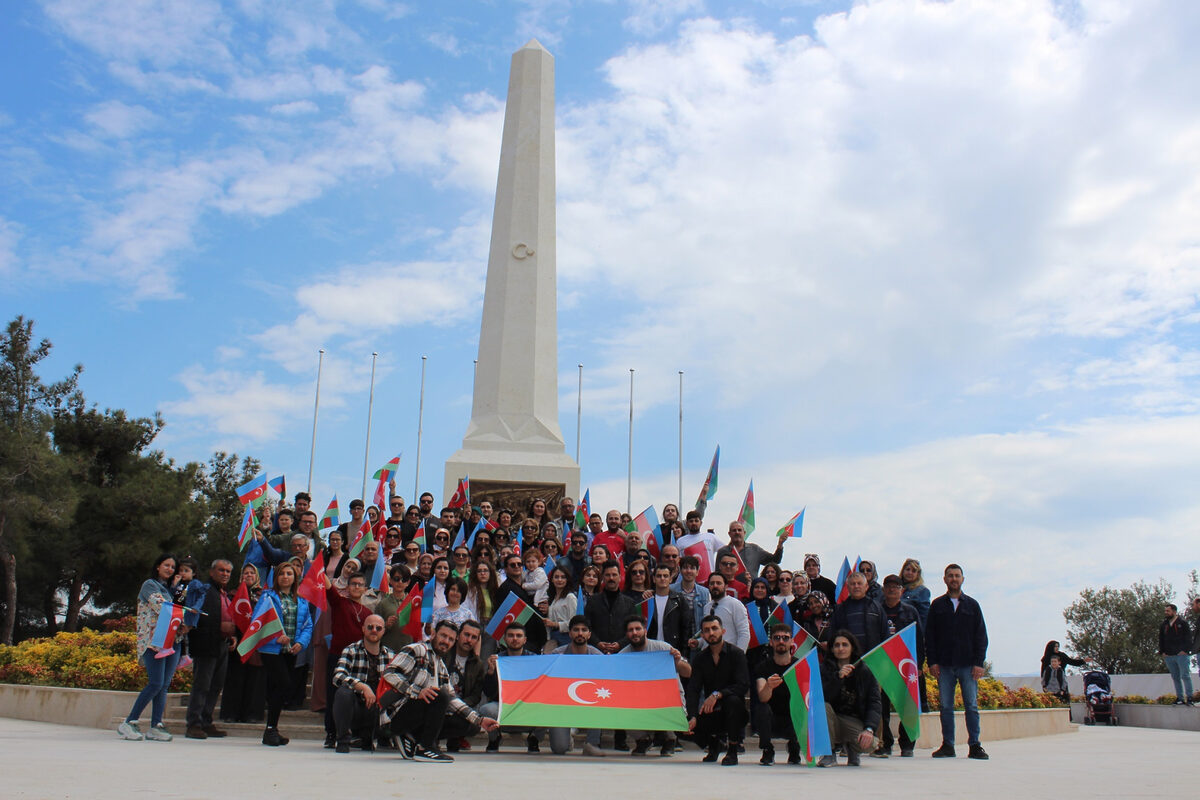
column 85, row 660
column 994, row 694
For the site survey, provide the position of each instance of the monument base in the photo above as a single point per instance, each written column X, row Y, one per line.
column 513, row 478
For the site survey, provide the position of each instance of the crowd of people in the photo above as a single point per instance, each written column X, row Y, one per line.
column 597, row 588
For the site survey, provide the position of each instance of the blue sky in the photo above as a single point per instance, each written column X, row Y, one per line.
column 930, row 268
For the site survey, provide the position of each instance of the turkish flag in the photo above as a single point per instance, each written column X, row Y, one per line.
column 242, row 609
column 312, row 588
column 700, row 551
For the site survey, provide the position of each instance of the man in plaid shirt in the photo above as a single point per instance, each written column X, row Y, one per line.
column 420, row 694
column 356, row 677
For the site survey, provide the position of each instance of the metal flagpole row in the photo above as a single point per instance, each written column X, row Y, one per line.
column 367, row 449
column 629, row 484
column 420, row 419
column 312, row 453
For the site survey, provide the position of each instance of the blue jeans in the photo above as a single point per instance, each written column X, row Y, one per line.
column 159, row 672
column 947, row 678
column 1181, row 674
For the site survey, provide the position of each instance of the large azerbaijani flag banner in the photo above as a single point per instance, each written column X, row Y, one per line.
column 630, row 691
column 894, row 664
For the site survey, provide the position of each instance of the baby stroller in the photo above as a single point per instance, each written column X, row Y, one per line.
column 1097, row 694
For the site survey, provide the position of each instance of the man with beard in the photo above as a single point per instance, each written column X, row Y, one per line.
column 773, row 717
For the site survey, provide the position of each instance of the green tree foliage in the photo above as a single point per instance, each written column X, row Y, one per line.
column 1118, row 628
column 34, row 493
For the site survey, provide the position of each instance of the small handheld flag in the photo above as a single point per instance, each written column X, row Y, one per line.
column 408, row 621
column 794, row 527
column 644, row 609
column 583, row 511
column 746, row 515
column 279, row 485
column 842, row 590
column 379, row 577
column 361, row 539
column 894, row 664
column 312, row 588
column 252, row 492
column 170, row 617
column 709, row 490
column 247, row 531
column 427, row 600
column 646, row 525
column 513, row 609
column 330, row 518
column 806, row 699
column 462, row 495
column 384, row 474
column 266, row 627
column 242, row 610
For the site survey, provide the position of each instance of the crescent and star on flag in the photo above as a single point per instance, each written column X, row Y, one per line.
column 600, row 692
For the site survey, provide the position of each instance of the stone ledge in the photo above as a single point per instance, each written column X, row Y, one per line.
column 89, row 708
column 994, row 725
column 1144, row 715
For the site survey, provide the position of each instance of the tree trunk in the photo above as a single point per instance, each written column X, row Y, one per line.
column 9, row 561
column 76, row 600
column 50, row 609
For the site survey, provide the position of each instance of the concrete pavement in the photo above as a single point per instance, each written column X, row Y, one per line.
column 41, row 760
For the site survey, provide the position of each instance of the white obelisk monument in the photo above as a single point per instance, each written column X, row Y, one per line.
column 514, row 438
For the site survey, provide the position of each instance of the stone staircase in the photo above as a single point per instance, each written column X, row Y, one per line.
column 293, row 724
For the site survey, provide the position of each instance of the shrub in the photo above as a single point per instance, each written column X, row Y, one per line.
column 85, row 660
column 994, row 694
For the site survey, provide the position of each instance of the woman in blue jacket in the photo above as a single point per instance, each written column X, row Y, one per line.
column 279, row 656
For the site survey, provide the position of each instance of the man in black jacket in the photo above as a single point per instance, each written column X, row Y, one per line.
column 859, row 614
column 720, row 676
column 209, row 642
column 1174, row 642
column 899, row 616
column 607, row 609
column 956, row 646
column 670, row 613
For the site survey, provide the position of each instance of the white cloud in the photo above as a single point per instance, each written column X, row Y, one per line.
column 10, row 236
column 647, row 17
column 295, row 108
column 446, row 42
column 119, row 120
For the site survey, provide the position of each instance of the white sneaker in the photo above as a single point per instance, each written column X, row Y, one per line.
column 158, row 733
column 129, row 731
column 590, row 749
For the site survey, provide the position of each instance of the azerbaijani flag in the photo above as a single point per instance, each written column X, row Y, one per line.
column 482, row 525
column 330, row 518
column 857, row 564
column 842, row 591
column 419, row 536
column 709, row 490
column 361, row 539
column 461, row 536
column 266, row 627
column 758, row 629
column 383, row 475
column 583, row 511
column 513, row 609
column 246, row 534
column 379, row 578
column 170, row 617
column 644, row 609
column 807, row 701
column 646, row 525
column 634, row 691
column 793, row 528
column 427, row 600
column 462, row 495
column 746, row 515
column 312, row 588
column 894, row 664
column 253, row 491
column 279, row 485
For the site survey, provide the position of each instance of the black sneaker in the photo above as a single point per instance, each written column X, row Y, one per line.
column 342, row 746
column 731, row 757
column 852, row 759
column 330, row 740
column 408, row 747
column 432, row 756
column 667, row 750
column 793, row 752
column 945, row 751
column 620, row 742
column 906, row 753
column 531, row 744
column 641, row 746
column 714, row 752
column 978, row 753
column 881, row 752
column 493, row 746
column 768, row 756
column 271, row 738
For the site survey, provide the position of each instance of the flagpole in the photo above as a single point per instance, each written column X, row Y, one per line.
column 420, row 418
column 629, row 483
column 312, row 453
column 578, row 412
column 680, row 438
column 370, row 409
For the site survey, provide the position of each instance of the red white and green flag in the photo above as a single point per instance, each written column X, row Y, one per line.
column 709, row 490
column 384, row 474
column 266, row 627
column 806, row 700
column 746, row 515
column 408, row 615
column 629, row 691
column 894, row 664
column 645, row 610
column 513, row 609
column 330, row 518
column 279, row 485
column 793, row 528
column 246, row 533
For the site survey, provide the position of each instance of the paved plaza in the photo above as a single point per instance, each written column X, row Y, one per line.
column 53, row 761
